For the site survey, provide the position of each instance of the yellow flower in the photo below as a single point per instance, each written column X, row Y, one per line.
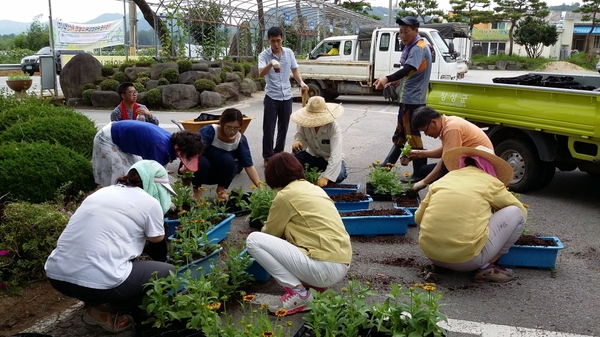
column 289, row 323
column 418, row 285
column 264, row 305
column 280, row 312
column 249, row 298
column 344, row 290
column 253, row 186
column 214, row 306
column 429, row 288
column 378, row 161
column 248, row 325
column 267, row 334
column 406, row 174
column 370, row 165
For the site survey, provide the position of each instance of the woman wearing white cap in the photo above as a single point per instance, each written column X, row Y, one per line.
column 94, row 257
column 468, row 218
column 318, row 139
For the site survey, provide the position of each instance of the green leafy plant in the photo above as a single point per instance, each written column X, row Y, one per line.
column 184, row 65
column 109, row 85
column 20, row 77
column 311, row 174
column 414, row 312
column 237, row 197
column 172, row 75
column 340, row 314
column 126, row 64
column 120, row 77
column 236, row 264
column 406, row 148
column 154, row 97
column 190, row 244
column 184, row 200
column 108, row 70
column 385, row 180
column 87, row 96
column 204, row 85
column 260, row 202
column 163, row 81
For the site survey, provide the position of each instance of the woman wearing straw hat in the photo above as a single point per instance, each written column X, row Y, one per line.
column 95, row 258
column 318, row 139
column 468, row 218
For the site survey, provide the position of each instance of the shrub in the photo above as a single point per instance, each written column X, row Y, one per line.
column 29, row 233
column 126, row 64
column 89, row 86
column 163, row 81
column 247, row 67
column 87, row 96
column 108, row 70
column 204, row 85
column 226, row 69
column 100, row 80
column 262, row 81
column 120, row 77
column 76, row 135
column 184, row 65
column 25, row 112
column 51, row 165
column 170, row 74
column 240, row 74
column 154, row 97
column 143, row 80
column 223, row 76
column 140, row 87
column 143, row 74
column 238, row 67
column 217, row 79
column 109, row 85
column 144, row 61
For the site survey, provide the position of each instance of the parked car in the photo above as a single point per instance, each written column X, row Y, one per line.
column 31, row 64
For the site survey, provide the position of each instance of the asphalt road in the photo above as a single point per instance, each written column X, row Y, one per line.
column 566, row 300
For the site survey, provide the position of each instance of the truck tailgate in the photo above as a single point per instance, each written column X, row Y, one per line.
column 358, row 71
column 574, row 113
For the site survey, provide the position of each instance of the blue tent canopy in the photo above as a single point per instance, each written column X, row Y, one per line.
column 586, row 30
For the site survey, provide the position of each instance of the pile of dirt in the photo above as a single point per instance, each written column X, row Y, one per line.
column 561, row 66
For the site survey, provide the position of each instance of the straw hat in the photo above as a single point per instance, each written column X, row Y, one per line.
column 504, row 171
column 317, row 113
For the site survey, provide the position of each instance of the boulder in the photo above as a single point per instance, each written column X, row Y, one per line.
column 246, row 92
column 132, row 72
column 189, row 77
column 210, row 99
column 200, row 67
column 179, row 96
column 151, row 84
column 233, row 77
column 105, row 99
column 227, row 64
column 491, row 67
column 81, row 69
column 215, row 71
column 76, row 102
column 230, row 91
column 142, row 98
column 501, row 65
column 159, row 67
column 248, row 84
column 514, row 66
column 253, row 72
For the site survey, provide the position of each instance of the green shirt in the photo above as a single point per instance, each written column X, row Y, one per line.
column 454, row 216
column 306, row 217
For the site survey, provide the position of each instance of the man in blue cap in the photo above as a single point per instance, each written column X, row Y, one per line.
column 413, row 81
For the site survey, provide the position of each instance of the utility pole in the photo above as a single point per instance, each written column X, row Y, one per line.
column 133, row 45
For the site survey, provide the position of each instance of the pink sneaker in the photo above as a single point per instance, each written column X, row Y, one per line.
column 291, row 302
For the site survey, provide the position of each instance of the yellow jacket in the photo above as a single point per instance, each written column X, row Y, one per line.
column 306, row 217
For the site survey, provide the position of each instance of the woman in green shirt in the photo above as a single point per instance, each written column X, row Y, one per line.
column 303, row 242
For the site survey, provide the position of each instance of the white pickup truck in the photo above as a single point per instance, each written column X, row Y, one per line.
column 363, row 58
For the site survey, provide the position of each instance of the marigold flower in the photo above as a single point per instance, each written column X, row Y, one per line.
column 344, row 290
column 249, row 298
column 280, row 312
column 264, row 305
column 378, row 161
column 268, row 333
column 370, row 165
column 406, row 174
column 429, row 288
column 418, row 285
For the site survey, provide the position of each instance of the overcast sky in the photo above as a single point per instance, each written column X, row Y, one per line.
column 85, row 10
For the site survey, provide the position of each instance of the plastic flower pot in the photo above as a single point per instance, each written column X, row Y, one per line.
column 533, row 256
column 412, row 210
column 344, row 188
column 257, row 271
column 377, row 225
column 354, row 205
column 215, row 235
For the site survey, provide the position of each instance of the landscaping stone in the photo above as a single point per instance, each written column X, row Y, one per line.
column 132, row 72
column 230, row 91
column 151, row 84
column 200, row 67
column 105, row 99
column 215, row 71
column 81, row 69
column 189, row 77
column 248, row 84
column 179, row 96
column 159, row 67
column 76, row 102
column 233, row 77
column 210, row 99
column 501, row 65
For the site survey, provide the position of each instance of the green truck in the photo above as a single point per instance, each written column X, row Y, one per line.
column 536, row 129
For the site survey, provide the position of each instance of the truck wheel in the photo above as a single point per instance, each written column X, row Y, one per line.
column 524, row 159
column 314, row 90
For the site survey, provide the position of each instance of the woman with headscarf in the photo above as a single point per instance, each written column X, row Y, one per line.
column 94, row 260
column 119, row 145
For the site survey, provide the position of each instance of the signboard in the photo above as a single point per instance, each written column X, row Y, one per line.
column 287, row 21
column 88, row 36
column 311, row 25
column 490, row 34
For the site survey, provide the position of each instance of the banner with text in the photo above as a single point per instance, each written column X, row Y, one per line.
column 88, row 36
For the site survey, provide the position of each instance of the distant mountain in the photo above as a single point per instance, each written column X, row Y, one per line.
column 12, row 27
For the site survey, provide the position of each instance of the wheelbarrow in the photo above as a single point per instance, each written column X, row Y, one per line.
column 194, row 125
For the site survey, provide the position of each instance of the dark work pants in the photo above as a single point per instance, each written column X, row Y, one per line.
column 320, row 163
column 404, row 127
column 215, row 170
column 277, row 113
column 127, row 295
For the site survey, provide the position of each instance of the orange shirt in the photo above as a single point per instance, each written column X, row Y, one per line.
column 457, row 132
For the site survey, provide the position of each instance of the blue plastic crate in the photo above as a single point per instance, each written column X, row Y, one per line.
column 533, row 256
column 339, row 190
column 172, row 223
column 353, row 206
column 206, row 264
column 377, row 225
column 412, row 210
column 257, row 271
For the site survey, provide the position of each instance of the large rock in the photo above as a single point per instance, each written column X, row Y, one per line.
column 253, row 72
column 83, row 68
column 210, row 99
column 233, row 77
column 501, row 65
column 248, row 84
column 151, row 84
column 132, row 72
column 200, row 67
column 159, row 67
column 215, row 71
column 179, row 96
column 142, row 98
column 189, row 77
column 230, row 91
column 105, row 99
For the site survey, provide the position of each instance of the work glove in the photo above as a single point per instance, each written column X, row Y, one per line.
column 322, row 182
column 297, row 147
column 275, row 64
column 419, row 185
column 303, row 86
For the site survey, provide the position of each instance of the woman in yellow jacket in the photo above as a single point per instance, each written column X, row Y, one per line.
column 468, row 218
column 303, row 242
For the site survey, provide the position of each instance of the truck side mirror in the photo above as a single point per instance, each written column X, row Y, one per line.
column 451, row 50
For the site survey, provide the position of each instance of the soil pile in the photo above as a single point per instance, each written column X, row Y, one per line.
column 561, row 66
